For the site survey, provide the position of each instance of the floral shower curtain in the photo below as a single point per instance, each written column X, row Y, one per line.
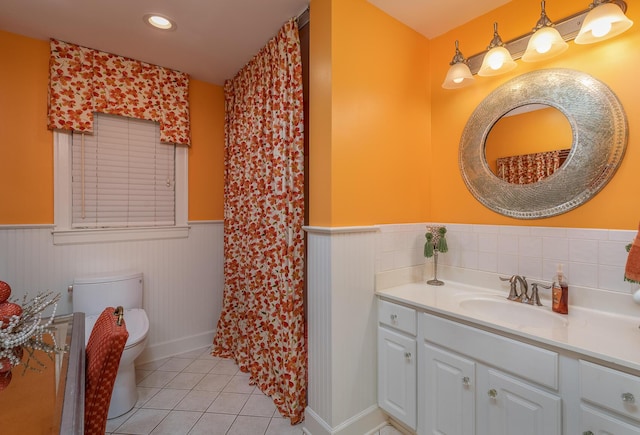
column 262, row 321
column 529, row 168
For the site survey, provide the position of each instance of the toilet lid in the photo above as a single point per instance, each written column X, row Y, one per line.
column 137, row 325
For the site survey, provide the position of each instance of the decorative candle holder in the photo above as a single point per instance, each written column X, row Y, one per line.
column 436, row 242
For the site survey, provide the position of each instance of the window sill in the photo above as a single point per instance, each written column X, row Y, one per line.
column 74, row 237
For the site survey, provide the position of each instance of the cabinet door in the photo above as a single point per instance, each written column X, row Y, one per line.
column 517, row 408
column 397, row 375
column 595, row 422
column 447, row 392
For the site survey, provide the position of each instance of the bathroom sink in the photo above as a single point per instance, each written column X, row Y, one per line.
column 516, row 314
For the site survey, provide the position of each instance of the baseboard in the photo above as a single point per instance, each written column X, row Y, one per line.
column 366, row 422
column 175, row 347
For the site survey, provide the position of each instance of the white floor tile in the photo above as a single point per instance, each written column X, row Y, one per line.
column 153, row 365
column 144, row 394
column 201, row 366
column 185, row 381
column 166, row 399
column 177, row 423
column 225, row 367
column 197, row 400
column 157, row 379
column 212, row 382
column 283, row 426
column 228, row 403
column 142, row 422
column 246, row 425
column 259, row 406
column 213, row 424
column 239, row 384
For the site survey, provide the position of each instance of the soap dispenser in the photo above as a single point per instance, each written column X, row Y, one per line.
column 560, row 293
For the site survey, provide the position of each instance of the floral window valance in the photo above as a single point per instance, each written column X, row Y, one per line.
column 83, row 81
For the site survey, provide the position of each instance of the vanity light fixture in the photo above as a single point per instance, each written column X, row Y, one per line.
column 160, row 22
column 459, row 74
column 584, row 27
column 498, row 60
column 604, row 21
column 546, row 42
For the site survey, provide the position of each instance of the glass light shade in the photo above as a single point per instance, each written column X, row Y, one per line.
column 603, row 22
column 458, row 76
column 545, row 43
column 497, row 61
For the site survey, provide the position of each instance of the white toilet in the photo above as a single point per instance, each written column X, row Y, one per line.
column 91, row 295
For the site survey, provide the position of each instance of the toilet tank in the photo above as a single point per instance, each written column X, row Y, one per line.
column 91, row 294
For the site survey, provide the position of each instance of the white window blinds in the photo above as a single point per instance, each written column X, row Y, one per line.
column 122, row 176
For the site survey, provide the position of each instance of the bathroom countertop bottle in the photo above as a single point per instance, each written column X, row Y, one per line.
column 560, row 293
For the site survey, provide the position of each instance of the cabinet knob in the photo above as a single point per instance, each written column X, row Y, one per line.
column 466, row 381
column 628, row 398
column 407, row 355
column 492, row 393
column 394, row 318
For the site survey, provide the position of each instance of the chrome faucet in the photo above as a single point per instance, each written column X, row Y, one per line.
column 523, row 296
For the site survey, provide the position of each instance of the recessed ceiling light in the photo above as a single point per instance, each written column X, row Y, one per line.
column 160, row 22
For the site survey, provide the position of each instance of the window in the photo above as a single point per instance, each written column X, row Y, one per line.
column 120, row 183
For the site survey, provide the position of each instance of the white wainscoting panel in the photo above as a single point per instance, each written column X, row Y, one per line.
column 183, row 278
column 342, row 330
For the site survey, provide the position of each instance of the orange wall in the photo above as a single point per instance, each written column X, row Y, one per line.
column 320, row 127
column 371, row 123
column 26, row 146
column 206, row 155
column 615, row 62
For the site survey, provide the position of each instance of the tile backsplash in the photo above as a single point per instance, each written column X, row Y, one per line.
column 592, row 258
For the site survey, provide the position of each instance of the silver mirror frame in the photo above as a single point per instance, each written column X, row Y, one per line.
column 599, row 129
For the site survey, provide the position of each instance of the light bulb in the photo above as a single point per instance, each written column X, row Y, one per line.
column 543, row 43
column 601, row 28
column 496, row 60
column 458, row 80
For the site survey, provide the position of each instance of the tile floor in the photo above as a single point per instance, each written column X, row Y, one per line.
column 195, row 393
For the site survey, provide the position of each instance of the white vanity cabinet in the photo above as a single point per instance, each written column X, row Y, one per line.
column 610, row 401
column 446, row 393
column 397, row 385
column 471, row 381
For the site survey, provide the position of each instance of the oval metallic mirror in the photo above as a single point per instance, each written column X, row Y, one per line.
column 599, row 137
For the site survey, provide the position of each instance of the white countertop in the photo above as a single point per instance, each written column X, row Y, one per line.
column 604, row 336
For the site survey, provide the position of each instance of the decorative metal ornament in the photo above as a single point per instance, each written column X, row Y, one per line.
column 599, row 130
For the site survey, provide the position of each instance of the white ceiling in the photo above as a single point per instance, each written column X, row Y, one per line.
column 213, row 39
column 432, row 18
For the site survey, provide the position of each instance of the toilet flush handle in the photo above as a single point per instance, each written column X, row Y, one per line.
column 120, row 313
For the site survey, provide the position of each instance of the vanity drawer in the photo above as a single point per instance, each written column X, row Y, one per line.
column 397, row 316
column 520, row 359
column 611, row 389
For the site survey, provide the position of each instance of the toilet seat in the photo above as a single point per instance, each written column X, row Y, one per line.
column 137, row 325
